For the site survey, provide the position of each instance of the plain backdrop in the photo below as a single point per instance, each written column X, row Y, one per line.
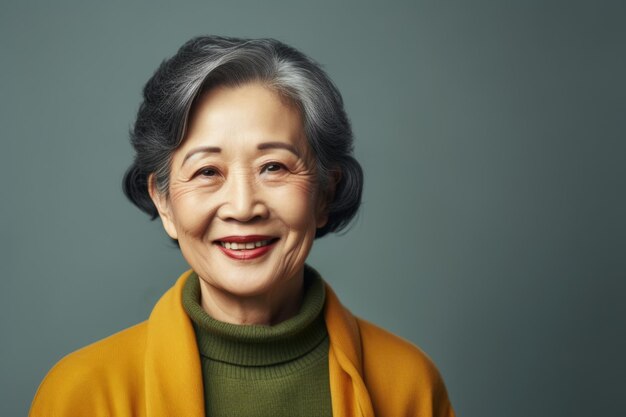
column 492, row 232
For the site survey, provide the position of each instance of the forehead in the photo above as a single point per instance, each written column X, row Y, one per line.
column 224, row 116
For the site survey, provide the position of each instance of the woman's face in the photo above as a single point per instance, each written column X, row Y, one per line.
column 243, row 199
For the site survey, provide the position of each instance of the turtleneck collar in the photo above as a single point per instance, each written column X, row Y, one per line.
column 258, row 345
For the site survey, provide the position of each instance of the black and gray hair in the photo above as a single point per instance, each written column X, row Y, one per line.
column 209, row 61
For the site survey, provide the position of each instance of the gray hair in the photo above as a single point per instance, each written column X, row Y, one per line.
column 209, row 61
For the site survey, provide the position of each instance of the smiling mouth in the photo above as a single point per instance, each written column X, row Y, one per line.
column 246, row 245
column 246, row 248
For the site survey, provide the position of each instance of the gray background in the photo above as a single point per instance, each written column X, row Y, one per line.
column 492, row 231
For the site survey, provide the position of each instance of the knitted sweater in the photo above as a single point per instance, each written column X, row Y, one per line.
column 250, row 370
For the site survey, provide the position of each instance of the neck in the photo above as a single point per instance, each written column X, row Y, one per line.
column 268, row 309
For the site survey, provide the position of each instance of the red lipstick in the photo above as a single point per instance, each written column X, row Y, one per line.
column 245, row 254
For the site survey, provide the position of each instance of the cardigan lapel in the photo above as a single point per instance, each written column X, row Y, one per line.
column 173, row 374
column 348, row 391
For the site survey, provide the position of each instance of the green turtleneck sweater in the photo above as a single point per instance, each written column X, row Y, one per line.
column 254, row 370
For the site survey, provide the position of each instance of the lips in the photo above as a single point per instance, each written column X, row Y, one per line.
column 246, row 247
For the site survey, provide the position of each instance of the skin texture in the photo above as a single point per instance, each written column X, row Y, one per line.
column 244, row 168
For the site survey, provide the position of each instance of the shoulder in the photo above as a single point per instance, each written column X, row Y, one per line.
column 91, row 379
column 378, row 343
column 393, row 365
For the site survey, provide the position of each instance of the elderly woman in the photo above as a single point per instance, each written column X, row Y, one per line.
column 244, row 151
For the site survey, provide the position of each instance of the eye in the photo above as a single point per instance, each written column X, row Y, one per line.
column 206, row 172
column 273, row 167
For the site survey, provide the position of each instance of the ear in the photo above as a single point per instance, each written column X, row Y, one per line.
column 162, row 204
column 326, row 197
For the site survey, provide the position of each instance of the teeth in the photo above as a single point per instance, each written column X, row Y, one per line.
column 247, row 245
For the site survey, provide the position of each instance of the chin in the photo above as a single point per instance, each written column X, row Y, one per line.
column 245, row 284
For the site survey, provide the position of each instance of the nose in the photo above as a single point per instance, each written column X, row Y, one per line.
column 243, row 201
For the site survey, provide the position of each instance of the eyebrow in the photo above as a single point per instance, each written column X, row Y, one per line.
column 279, row 145
column 201, row 149
column 260, row 146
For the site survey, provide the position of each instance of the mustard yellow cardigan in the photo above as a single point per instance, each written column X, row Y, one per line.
column 153, row 369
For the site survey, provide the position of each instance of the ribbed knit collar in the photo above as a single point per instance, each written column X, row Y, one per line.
column 258, row 345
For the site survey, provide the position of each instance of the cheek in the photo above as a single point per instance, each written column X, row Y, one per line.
column 192, row 209
column 295, row 205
